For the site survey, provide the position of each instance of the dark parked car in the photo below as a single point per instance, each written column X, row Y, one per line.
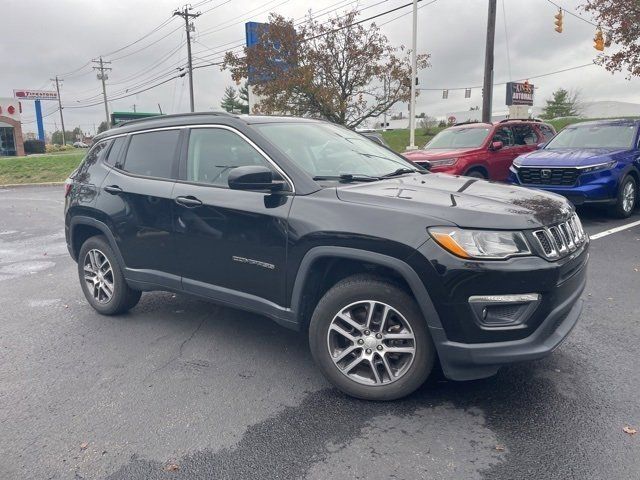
column 589, row 163
column 481, row 150
column 384, row 265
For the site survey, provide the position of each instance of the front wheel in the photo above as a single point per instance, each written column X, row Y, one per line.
column 627, row 197
column 101, row 278
column 370, row 339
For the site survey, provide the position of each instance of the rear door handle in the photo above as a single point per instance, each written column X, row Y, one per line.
column 189, row 201
column 113, row 189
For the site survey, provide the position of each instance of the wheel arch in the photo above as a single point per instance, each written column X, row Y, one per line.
column 82, row 227
column 308, row 288
column 477, row 167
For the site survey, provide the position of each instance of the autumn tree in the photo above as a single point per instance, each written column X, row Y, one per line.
column 103, row 127
column 338, row 70
column 620, row 20
column 562, row 104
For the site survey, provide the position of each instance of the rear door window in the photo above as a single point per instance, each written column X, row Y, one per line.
column 547, row 132
column 524, row 135
column 504, row 135
column 153, row 154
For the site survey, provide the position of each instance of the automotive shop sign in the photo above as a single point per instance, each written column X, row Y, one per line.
column 519, row 93
column 35, row 95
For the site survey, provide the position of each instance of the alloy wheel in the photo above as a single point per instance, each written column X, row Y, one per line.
column 371, row 343
column 98, row 275
column 628, row 197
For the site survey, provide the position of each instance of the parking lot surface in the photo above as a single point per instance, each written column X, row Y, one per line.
column 180, row 388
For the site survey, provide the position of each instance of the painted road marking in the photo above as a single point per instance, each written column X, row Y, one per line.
column 614, row 230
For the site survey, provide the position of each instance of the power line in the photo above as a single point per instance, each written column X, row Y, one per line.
column 573, row 14
column 518, row 80
column 163, row 24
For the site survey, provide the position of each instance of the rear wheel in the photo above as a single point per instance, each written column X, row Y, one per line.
column 101, row 278
column 370, row 339
column 627, row 197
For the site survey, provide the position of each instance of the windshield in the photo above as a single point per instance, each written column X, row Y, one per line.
column 459, row 138
column 325, row 150
column 594, row 136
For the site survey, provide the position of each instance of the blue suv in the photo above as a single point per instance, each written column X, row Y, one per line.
column 592, row 162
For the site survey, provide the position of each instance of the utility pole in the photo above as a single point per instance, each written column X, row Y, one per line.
column 190, row 27
column 414, row 78
column 103, row 76
column 134, row 108
column 487, row 90
column 57, row 80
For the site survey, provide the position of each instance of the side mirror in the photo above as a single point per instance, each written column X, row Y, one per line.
column 496, row 146
column 540, row 146
column 253, row 177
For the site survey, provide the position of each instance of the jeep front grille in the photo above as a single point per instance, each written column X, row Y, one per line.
column 560, row 240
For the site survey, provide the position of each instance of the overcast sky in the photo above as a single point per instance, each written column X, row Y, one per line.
column 42, row 38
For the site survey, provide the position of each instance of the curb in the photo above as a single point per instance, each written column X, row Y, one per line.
column 45, row 184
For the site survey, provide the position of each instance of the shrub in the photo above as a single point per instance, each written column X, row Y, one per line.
column 34, row 146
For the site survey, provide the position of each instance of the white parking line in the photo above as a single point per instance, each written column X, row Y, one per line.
column 614, row 230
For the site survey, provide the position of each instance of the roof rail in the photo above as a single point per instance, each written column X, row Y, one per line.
column 521, row 120
column 468, row 122
column 173, row 115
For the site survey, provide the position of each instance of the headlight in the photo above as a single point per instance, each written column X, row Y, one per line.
column 443, row 162
column 600, row 166
column 480, row 244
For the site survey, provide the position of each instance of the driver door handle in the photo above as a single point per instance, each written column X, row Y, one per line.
column 113, row 189
column 189, row 201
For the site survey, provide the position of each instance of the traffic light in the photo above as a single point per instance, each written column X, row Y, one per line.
column 598, row 40
column 558, row 21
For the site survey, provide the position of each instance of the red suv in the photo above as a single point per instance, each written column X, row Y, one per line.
column 482, row 150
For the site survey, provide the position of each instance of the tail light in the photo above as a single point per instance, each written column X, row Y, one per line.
column 67, row 189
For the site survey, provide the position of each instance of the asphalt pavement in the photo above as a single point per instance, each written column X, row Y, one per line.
column 183, row 389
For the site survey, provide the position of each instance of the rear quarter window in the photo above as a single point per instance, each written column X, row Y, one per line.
column 93, row 155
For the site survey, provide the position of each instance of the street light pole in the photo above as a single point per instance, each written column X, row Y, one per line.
column 414, row 78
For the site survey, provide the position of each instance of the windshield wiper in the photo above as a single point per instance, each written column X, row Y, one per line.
column 348, row 177
column 401, row 171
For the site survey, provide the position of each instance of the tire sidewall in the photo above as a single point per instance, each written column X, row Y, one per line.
column 351, row 291
column 620, row 211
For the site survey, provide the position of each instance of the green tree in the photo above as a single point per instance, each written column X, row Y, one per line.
column 103, row 127
column 230, row 99
column 69, row 136
column 243, row 102
column 562, row 104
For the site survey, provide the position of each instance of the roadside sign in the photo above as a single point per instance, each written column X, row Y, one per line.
column 519, row 93
column 35, row 94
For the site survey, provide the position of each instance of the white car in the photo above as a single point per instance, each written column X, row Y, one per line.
column 80, row 145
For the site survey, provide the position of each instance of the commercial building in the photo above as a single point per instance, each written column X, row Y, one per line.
column 11, row 142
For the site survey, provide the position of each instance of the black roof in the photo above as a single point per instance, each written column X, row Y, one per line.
column 197, row 118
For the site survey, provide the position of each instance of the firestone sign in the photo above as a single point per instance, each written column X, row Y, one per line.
column 519, row 93
column 35, row 95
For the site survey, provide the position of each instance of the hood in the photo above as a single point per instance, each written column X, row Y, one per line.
column 566, row 157
column 463, row 201
column 435, row 154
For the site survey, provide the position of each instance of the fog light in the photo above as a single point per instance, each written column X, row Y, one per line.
column 500, row 311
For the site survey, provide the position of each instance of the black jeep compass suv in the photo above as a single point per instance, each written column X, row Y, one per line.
column 385, row 265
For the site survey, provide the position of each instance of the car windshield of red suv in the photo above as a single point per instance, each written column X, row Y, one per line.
column 619, row 136
column 459, row 138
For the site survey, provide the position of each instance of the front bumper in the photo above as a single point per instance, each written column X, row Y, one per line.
column 598, row 187
column 468, row 350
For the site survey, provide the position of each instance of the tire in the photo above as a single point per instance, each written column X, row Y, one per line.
column 624, row 203
column 401, row 373
column 95, row 251
column 476, row 174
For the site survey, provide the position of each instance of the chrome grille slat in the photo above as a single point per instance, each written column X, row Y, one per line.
column 559, row 240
